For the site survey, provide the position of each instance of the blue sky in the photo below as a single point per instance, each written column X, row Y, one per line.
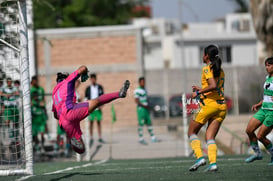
column 193, row 10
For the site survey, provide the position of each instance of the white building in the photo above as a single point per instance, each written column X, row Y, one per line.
column 234, row 36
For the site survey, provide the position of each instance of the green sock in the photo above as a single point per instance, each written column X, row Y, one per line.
column 151, row 131
column 270, row 149
column 140, row 131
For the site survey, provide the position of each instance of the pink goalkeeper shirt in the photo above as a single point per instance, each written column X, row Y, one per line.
column 64, row 95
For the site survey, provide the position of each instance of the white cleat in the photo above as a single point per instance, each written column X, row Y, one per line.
column 198, row 163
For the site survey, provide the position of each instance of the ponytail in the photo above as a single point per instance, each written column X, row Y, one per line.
column 216, row 62
column 216, row 66
column 61, row 76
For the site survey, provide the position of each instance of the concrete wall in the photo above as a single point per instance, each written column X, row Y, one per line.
column 244, row 54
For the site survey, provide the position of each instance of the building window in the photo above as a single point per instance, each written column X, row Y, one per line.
column 224, row 53
column 241, row 26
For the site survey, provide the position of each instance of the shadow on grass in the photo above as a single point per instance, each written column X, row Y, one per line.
column 98, row 147
column 70, row 175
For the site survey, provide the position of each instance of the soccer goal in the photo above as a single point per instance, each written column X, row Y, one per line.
column 16, row 155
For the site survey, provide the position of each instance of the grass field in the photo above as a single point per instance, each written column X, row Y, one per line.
column 230, row 168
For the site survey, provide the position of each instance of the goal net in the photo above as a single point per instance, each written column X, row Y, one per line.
column 15, row 115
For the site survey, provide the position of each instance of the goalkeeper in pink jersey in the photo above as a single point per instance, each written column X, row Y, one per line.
column 69, row 113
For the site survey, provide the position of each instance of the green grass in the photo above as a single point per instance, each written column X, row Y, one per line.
column 230, row 168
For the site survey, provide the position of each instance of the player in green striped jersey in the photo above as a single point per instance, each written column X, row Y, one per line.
column 38, row 112
column 143, row 114
column 10, row 94
column 263, row 118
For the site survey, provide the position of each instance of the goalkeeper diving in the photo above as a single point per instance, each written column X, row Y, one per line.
column 69, row 113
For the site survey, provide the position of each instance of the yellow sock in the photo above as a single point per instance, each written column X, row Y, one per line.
column 212, row 151
column 196, row 146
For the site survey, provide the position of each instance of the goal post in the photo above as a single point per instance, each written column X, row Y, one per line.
column 18, row 59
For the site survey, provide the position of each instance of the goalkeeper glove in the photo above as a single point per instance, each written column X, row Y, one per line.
column 84, row 77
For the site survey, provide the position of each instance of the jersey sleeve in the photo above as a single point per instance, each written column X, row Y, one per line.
column 207, row 72
column 74, row 76
column 136, row 94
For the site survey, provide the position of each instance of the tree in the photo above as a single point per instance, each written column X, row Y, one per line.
column 9, row 37
column 242, row 6
column 263, row 23
column 76, row 13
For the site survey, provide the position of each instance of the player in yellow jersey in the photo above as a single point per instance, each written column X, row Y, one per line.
column 213, row 108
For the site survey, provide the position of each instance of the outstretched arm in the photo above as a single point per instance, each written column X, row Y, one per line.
column 82, row 70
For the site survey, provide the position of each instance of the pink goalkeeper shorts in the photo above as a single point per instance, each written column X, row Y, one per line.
column 70, row 121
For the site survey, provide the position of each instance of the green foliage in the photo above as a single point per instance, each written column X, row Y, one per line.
column 242, row 5
column 8, row 34
column 76, row 13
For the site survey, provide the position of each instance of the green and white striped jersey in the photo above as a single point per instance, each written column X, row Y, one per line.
column 12, row 100
column 268, row 93
column 141, row 95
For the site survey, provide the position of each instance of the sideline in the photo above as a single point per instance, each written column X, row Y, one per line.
column 67, row 169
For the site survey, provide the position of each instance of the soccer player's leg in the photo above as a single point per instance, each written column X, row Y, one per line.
column 91, row 119
column 194, row 128
column 141, row 121
column 99, row 120
column 71, row 125
column 264, row 130
column 58, row 141
column 74, row 133
column 35, row 134
column 212, row 130
column 7, row 118
column 41, row 130
column 195, row 144
column 106, row 98
column 15, row 120
column 253, row 124
column 150, row 128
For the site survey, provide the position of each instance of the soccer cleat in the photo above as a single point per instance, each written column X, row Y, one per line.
column 123, row 90
column 155, row 140
column 77, row 145
column 253, row 158
column 212, row 168
column 143, row 142
column 102, row 141
column 199, row 162
column 271, row 162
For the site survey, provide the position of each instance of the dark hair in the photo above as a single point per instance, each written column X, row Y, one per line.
column 93, row 76
column 216, row 62
column 34, row 77
column 17, row 82
column 61, row 76
column 140, row 79
column 9, row 79
column 268, row 60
